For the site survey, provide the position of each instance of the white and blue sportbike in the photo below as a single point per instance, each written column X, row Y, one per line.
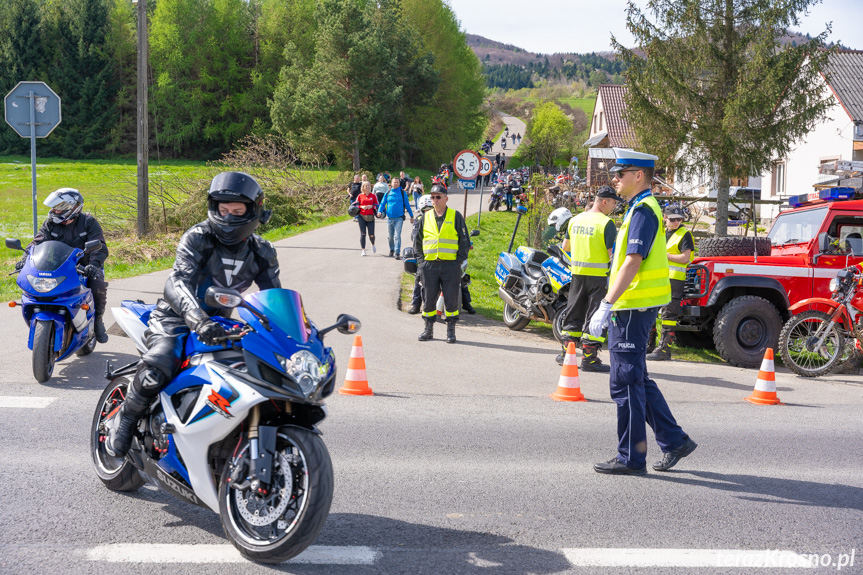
column 235, row 430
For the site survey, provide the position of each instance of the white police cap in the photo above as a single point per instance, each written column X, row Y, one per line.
column 627, row 158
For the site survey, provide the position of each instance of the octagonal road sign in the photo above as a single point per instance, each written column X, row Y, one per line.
column 46, row 104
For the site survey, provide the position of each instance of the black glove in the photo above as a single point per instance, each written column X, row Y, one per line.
column 207, row 329
column 91, row 271
column 20, row 264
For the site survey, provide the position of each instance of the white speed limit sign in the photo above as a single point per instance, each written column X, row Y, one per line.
column 466, row 165
column 484, row 166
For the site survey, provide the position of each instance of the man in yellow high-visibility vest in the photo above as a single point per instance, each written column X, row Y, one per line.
column 441, row 245
column 679, row 246
column 639, row 286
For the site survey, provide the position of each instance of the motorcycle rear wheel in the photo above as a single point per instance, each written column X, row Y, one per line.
column 117, row 473
column 43, row 350
column 514, row 319
column 796, row 345
column 278, row 526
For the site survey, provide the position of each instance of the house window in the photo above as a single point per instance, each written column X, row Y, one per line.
column 600, row 121
column 595, row 128
column 777, row 185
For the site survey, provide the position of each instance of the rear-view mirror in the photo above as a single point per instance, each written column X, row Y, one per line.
column 14, row 244
column 92, row 246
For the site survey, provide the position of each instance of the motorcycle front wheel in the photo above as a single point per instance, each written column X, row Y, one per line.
column 798, row 344
column 43, row 350
column 279, row 523
column 557, row 324
column 117, row 473
column 514, row 319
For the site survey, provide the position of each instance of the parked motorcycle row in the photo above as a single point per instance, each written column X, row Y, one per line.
column 235, row 431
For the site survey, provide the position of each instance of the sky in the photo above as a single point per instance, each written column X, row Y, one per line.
column 581, row 26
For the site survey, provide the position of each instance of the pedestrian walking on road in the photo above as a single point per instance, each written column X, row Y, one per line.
column 679, row 245
column 589, row 240
column 441, row 245
column 394, row 206
column 354, row 189
column 368, row 203
column 417, row 190
column 381, row 188
column 639, row 287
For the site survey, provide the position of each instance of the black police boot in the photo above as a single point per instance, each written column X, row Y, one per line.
column 468, row 308
column 428, row 332
column 565, row 343
column 662, row 353
column 99, row 328
column 414, row 309
column 123, row 424
column 450, row 330
column 590, row 360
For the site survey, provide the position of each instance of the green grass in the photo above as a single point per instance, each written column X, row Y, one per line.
column 586, row 104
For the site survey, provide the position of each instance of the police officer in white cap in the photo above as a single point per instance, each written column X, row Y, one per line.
column 639, row 286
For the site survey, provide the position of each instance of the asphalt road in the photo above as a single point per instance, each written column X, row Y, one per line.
column 460, row 462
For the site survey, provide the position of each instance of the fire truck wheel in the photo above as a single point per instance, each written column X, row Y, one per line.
column 733, row 246
column 745, row 327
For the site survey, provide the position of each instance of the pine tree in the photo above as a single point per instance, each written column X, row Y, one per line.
column 715, row 90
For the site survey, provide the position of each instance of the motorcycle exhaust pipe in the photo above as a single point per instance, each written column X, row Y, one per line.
column 507, row 298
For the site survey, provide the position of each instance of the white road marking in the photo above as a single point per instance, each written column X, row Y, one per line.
column 611, row 557
column 167, row 553
column 25, row 402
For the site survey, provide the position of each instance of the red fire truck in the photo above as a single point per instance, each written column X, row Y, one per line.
column 738, row 290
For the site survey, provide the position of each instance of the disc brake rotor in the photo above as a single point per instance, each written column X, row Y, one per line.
column 258, row 509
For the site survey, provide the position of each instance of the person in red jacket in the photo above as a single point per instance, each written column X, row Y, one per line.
column 368, row 203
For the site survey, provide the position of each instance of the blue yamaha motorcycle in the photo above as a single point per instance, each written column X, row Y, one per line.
column 56, row 303
column 534, row 285
column 235, row 431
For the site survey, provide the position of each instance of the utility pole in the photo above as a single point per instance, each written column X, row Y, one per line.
column 143, row 122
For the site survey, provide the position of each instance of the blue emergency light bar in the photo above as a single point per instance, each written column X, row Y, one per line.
column 825, row 195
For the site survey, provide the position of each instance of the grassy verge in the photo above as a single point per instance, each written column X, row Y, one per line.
column 495, row 232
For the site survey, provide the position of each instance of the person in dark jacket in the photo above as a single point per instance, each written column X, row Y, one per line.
column 221, row 251
column 66, row 223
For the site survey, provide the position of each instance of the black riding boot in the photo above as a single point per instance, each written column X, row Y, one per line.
column 428, row 332
column 590, row 360
column 450, row 330
column 99, row 329
column 662, row 353
column 123, row 424
column 100, row 297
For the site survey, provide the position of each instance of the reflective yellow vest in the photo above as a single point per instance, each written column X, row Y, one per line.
column 672, row 247
column 440, row 244
column 588, row 253
column 650, row 287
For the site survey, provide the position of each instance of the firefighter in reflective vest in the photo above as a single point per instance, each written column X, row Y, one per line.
column 441, row 245
column 589, row 239
column 639, row 286
column 680, row 246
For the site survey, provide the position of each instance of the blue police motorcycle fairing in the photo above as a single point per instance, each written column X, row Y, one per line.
column 235, row 430
column 56, row 303
column 534, row 285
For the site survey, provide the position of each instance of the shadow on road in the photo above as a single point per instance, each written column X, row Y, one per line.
column 773, row 489
column 517, row 348
column 414, row 548
column 86, row 372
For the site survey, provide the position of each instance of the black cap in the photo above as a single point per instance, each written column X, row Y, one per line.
column 439, row 189
column 673, row 211
column 608, row 192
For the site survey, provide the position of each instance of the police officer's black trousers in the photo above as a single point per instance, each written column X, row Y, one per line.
column 585, row 295
column 672, row 310
column 417, row 297
column 441, row 276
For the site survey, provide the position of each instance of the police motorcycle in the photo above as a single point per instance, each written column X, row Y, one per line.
column 56, row 303
column 498, row 196
column 827, row 335
column 533, row 284
column 235, row 431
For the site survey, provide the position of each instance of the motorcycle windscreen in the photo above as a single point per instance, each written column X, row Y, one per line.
column 284, row 309
column 48, row 256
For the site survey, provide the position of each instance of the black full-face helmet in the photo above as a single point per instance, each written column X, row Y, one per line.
column 235, row 187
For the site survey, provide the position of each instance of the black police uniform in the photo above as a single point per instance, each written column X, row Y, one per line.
column 83, row 229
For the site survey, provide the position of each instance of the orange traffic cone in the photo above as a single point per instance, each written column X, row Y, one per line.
column 355, row 379
column 569, row 387
column 765, row 386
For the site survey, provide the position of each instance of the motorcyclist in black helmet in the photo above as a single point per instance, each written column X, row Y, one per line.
column 221, row 251
column 68, row 224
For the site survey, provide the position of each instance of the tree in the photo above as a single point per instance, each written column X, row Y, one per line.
column 715, row 89
column 549, row 132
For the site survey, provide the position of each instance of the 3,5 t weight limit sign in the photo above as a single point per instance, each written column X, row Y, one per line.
column 466, row 165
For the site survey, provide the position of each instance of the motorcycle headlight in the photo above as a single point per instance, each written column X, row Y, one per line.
column 834, row 284
column 305, row 368
column 43, row 285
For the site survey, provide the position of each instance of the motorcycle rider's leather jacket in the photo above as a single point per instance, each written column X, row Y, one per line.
column 203, row 261
column 76, row 234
